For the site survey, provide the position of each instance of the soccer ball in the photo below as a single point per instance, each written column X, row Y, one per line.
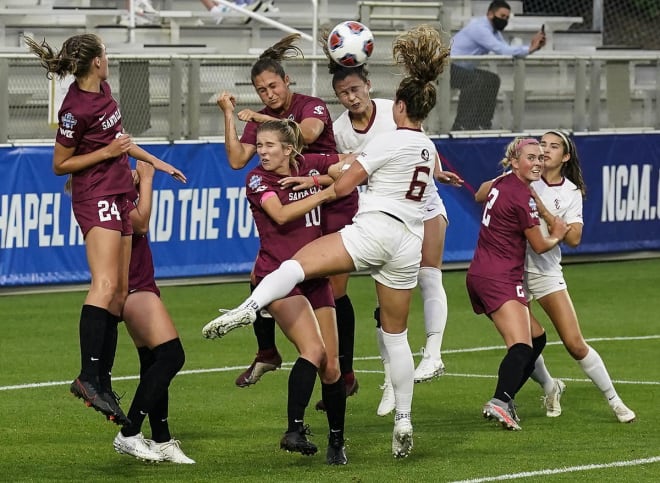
column 350, row 43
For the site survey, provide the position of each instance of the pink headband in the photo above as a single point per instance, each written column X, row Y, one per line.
column 525, row 142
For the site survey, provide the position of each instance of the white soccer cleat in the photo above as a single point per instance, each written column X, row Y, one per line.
column 623, row 413
column 429, row 367
column 551, row 401
column 402, row 438
column 135, row 446
column 228, row 321
column 170, row 451
column 386, row 405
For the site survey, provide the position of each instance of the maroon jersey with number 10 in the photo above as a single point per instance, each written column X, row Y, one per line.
column 280, row 242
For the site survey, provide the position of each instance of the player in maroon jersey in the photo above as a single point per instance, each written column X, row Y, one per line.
column 92, row 148
column 156, row 339
column 495, row 277
column 386, row 234
column 286, row 221
column 311, row 113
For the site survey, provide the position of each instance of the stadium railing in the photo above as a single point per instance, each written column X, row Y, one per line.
column 185, row 27
column 172, row 97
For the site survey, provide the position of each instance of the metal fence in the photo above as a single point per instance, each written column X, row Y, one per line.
column 173, row 97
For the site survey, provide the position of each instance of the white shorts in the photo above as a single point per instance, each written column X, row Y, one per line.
column 383, row 245
column 538, row 286
column 434, row 207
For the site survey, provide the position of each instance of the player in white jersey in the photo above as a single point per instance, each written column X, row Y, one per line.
column 363, row 119
column 565, row 201
column 559, row 193
column 398, row 169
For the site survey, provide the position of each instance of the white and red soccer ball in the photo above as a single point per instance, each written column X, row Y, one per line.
column 350, row 43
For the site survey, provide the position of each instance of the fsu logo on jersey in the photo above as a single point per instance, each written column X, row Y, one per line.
column 425, row 154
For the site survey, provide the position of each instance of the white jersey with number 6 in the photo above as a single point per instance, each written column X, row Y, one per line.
column 400, row 168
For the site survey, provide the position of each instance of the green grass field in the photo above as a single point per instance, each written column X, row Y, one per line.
column 233, row 434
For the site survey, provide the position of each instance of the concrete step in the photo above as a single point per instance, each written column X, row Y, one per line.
column 577, row 40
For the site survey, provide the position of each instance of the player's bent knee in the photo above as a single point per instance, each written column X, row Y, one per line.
column 316, row 355
column 170, row 357
column 578, row 351
column 330, row 375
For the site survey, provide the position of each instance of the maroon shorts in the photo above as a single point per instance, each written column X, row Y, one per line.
column 146, row 287
column 488, row 295
column 111, row 212
column 337, row 214
column 317, row 290
column 141, row 270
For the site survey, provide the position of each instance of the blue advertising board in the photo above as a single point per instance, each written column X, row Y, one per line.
column 205, row 227
column 621, row 208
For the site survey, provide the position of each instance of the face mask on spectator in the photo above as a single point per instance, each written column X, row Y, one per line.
column 499, row 23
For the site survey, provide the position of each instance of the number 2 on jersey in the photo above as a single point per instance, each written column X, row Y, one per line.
column 492, row 196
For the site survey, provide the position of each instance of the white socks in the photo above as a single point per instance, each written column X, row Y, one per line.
column 383, row 355
column 276, row 285
column 402, row 369
column 593, row 366
column 435, row 308
column 542, row 376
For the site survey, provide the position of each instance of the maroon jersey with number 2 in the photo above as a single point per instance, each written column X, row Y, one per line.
column 496, row 270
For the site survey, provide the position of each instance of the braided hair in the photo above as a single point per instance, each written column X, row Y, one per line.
column 75, row 57
column 513, row 150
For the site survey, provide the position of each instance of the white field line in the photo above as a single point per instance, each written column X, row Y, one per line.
column 557, row 471
column 35, row 385
column 505, row 477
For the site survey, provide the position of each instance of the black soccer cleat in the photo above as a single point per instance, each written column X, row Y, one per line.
column 92, row 397
column 118, row 417
column 336, row 454
column 297, row 442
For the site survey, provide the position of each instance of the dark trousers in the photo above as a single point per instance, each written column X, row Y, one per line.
column 478, row 97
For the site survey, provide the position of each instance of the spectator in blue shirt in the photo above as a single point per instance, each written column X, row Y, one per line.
column 481, row 36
